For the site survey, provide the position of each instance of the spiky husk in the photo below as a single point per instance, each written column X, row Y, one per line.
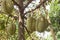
column 41, row 24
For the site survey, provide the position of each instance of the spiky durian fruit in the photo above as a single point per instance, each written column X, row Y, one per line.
column 11, row 29
column 41, row 23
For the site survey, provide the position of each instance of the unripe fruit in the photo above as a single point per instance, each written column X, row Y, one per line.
column 37, row 24
column 11, row 29
column 42, row 23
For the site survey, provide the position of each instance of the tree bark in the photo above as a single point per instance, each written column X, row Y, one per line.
column 21, row 28
column 21, row 22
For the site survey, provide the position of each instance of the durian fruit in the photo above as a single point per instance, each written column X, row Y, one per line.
column 7, row 6
column 41, row 23
column 30, row 22
column 11, row 29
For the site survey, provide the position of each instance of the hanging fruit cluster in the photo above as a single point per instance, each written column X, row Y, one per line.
column 37, row 23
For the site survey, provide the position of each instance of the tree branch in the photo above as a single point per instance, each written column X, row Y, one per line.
column 15, row 3
column 27, row 30
column 28, row 3
column 36, row 7
column 15, row 17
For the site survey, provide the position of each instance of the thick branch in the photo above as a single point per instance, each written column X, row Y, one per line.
column 28, row 3
column 36, row 7
column 15, row 3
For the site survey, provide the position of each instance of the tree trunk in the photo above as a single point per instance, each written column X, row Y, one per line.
column 21, row 22
column 21, row 27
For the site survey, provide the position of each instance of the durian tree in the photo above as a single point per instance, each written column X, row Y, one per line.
column 27, row 19
column 22, row 14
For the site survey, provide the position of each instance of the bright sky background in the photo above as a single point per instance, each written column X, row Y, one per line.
column 33, row 5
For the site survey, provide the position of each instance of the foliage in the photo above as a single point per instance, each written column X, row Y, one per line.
column 6, row 21
column 55, row 14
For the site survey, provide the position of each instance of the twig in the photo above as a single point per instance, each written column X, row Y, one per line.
column 27, row 30
column 28, row 3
